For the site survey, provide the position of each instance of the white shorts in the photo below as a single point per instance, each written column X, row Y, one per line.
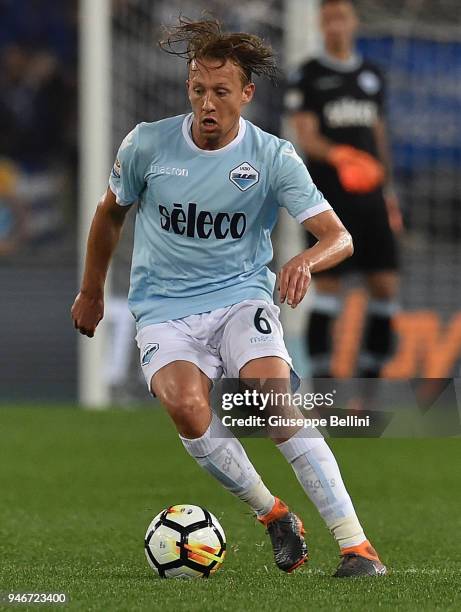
column 219, row 342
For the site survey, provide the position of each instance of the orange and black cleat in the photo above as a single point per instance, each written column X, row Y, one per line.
column 360, row 561
column 286, row 532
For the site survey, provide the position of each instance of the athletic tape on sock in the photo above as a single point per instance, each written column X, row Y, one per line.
column 347, row 531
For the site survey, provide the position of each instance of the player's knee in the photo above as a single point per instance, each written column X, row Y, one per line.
column 187, row 407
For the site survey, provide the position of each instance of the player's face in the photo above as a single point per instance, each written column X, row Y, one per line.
column 217, row 95
column 339, row 24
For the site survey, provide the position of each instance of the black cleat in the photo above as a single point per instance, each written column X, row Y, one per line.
column 355, row 566
column 287, row 536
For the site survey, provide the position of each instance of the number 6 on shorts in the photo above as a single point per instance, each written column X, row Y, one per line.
column 262, row 324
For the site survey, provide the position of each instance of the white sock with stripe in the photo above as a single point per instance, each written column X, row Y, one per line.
column 220, row 453
column 318, row 473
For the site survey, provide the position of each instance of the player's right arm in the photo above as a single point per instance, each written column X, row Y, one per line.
column 312, row 142
column 88, row 308
column 305, row 108
column 126, row 182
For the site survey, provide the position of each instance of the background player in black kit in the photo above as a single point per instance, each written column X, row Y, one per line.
column 337, row 103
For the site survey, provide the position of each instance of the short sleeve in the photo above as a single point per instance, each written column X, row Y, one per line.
column 293, row 186
column 299, row 94
column 127, row 176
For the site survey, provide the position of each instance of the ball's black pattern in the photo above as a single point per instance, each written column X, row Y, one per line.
column 184, row 533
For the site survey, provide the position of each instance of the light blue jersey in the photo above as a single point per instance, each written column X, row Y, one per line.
column 204, row 218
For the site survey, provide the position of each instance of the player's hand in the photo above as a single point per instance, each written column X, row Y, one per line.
column 394, row 214
column 358, row 171
column 86, row 313
column 294, row 280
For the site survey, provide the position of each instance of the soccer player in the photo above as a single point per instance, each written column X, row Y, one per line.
column 208, row 185
column 337, row 101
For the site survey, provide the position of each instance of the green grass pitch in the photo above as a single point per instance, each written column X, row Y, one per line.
column 78, row 489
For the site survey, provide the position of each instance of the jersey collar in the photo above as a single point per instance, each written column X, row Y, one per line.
column 350, row 65
column 186, row 130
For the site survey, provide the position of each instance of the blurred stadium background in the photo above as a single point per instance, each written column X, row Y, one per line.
column 59, row 116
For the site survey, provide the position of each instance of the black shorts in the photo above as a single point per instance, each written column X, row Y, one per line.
column 366, row 219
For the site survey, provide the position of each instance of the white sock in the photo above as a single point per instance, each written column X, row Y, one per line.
column 318, row 473
column 220, row 453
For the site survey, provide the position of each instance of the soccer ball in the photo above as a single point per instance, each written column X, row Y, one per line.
column 185, row 541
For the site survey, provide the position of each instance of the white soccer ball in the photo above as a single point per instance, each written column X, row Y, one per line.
column 185, row 541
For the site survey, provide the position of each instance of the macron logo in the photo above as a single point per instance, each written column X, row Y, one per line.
column 170, row 170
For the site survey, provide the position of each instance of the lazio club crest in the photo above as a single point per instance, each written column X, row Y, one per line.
column 244, row 176
column 149, row 351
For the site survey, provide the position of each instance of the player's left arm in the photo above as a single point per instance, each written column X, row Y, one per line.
column 333, row 246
